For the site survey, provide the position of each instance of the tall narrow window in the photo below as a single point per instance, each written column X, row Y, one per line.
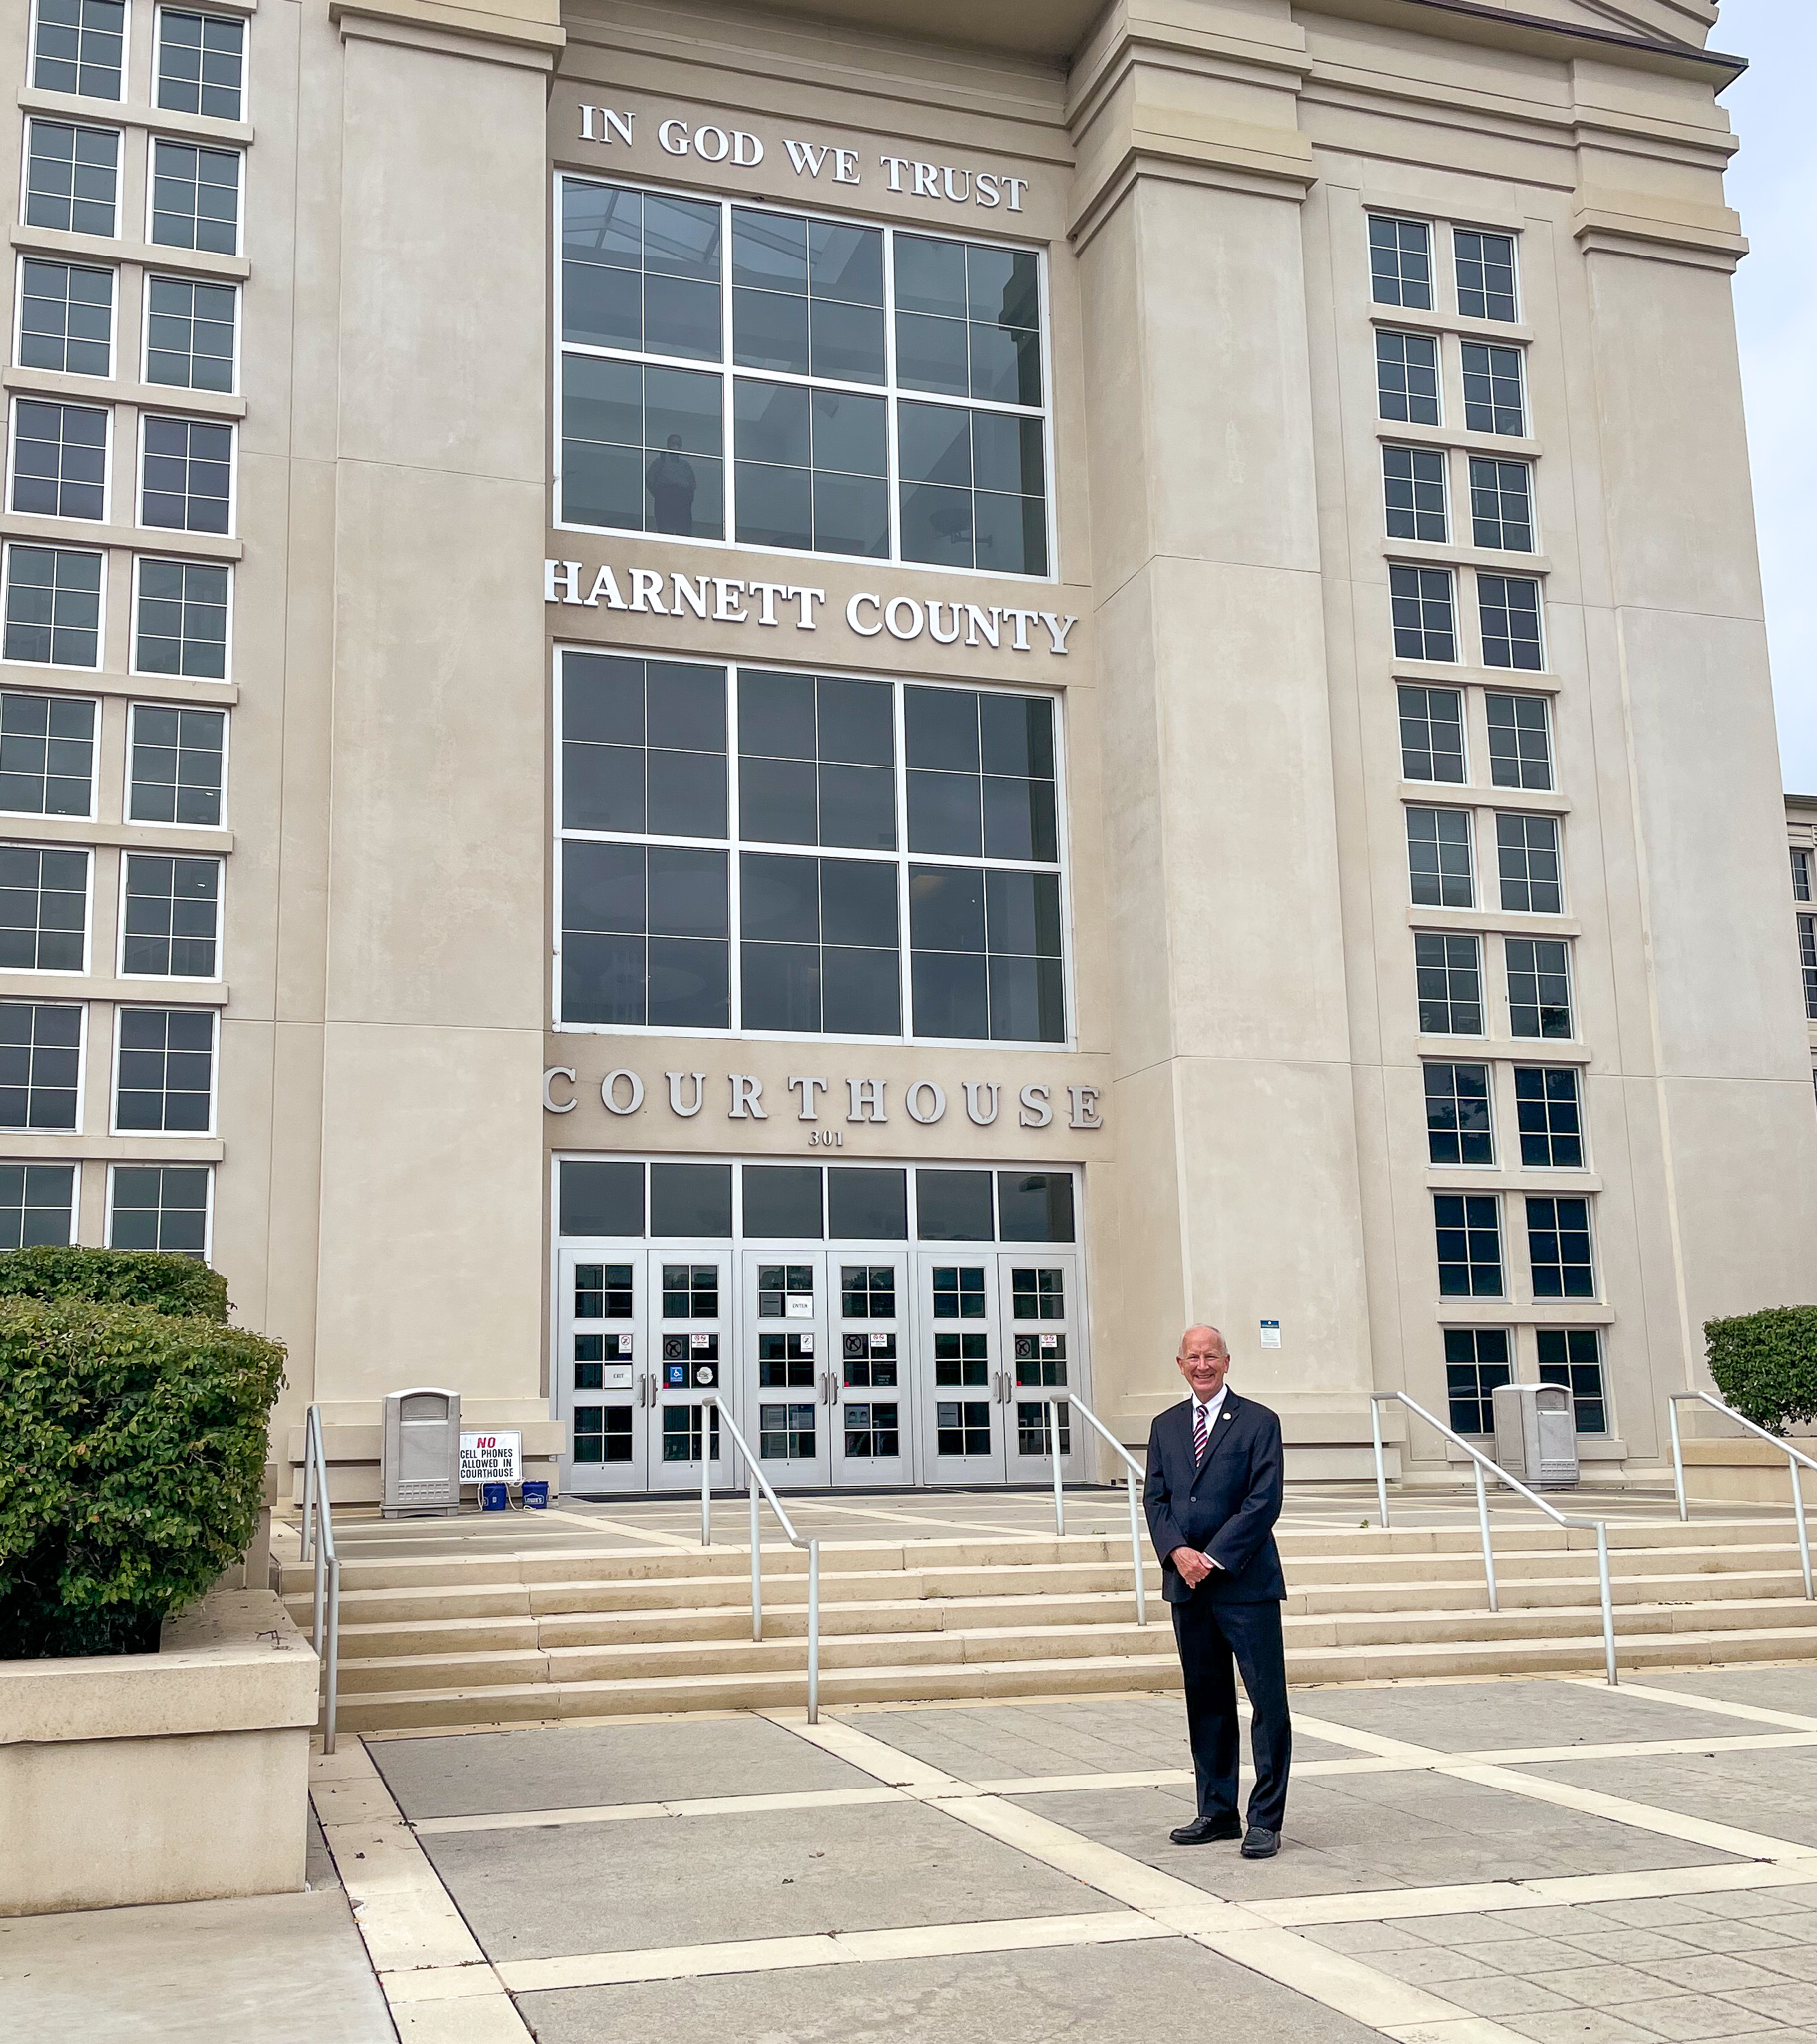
column 1407, row 378
column 47, row 754
column 1572, row 1357
column 1432, row 733
column 71, row 176
column 1425, row 615
column 1400, row 262
column 1501, row 504
column 58, row 460
column 1485, row 275
column 1494, row 397
column 1539, row 986
column 1801, row 873
column 53, row 606
column 1477, row 1364
column 1468, row 1230
column 1520, row 740
column 196, row 196
column 1508, row 609
column 1558, row 1240
column 1438, row 858
column 169, row 916
column 78, row 46
column 177, row 761
column 1413, row 493
column 1807, row 957
column 66, row 317
column 1527, row 854
column 202, row 63
column 164, row 1070
column 44, row 897
column 1457, row 1129
column 189, row 334
column 187, row 480
column 179, row 620
column 1551, row 1121
column 1449, row 972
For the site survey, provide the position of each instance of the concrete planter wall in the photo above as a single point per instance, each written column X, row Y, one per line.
column 1746, row 1471
column 171, row 1776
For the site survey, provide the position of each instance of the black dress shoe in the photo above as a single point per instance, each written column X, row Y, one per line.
column 1207, row 1830
column 1262, row 1844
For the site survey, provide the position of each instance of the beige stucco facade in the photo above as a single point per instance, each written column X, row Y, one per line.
column 1238, row 1081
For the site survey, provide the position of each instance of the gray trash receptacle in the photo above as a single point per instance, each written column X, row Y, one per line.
column 423, row 1452
column 1536, row 1435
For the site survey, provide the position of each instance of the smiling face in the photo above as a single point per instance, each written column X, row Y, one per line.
column 1204, row 1361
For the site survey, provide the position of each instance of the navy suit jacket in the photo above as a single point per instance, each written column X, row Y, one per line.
column 1226, row 1508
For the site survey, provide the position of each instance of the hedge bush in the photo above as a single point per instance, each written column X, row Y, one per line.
column 1765, row 1364
column 133, row 1465
column 158, row 1278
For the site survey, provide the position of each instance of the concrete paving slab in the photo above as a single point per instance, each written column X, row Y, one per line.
column 1774, row 1793
column 264, row 1969
column 1100, row 1995
column 1360, row 1832
column 1771, row 1689
column 583, row 1766
column 712, row 1879
column 1469, row 1717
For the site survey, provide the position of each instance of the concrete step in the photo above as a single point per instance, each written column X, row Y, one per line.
column 399, row 1709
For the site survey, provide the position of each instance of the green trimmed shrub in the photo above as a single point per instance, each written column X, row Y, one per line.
column 134, row 1466
column 158, row 1278
column 1765, row 1364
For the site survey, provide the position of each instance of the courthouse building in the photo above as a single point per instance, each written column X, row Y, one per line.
column 854, row 704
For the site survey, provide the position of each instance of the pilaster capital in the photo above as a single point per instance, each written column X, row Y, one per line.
column 506, row 31
column 1631, row 223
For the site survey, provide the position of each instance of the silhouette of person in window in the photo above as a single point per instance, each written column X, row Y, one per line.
column 670, row 479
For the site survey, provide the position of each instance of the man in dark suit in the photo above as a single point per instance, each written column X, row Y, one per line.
column 1213, row 1494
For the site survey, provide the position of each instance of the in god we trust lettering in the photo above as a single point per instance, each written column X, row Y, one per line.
column 713, row 142
column 729, row 600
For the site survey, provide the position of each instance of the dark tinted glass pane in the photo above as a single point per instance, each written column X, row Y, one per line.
column 1018, row 734
column 935, row 444
column 686, row 795
column 1028, row 1000
column 946, row 908
column 776, row 714
column 690, row 983
column 953, row 1206
column 781, row 898
column 782, row 1200
column 686, row 892
column 857, row 807
column 782, row 986
column 865, row 1204
column 930, row 276
column 857, row 903
column 942, row 729
column 1035, row 1206
column 944, row 814
column 600, row 1198
column 777, row 800
column 951, row 993
column 1023, row 913
column 690, row 1199
column 861, row 992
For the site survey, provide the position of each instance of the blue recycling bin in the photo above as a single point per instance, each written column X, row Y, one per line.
column 494, row 1497
column 535, row 1493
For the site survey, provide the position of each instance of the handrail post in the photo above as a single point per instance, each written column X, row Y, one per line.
column 706, row 1410
column 1804, row 1536
column 756, row 1565
column 1685, row 1509
column 328, row 1738
column 1609, row 1601
column 1489, row 1560
column 813, row 1631
column 1059, row 1504
column 1380, row 1468
column 318, row 1547
column 1135, row 1554
column 308, row 1499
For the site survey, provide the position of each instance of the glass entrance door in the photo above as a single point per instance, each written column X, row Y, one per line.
column 960, row 1368
column 1039, row 1289
column 694, row 1312
column 787, row 1368
column 604, row 1369
column 872, row 1442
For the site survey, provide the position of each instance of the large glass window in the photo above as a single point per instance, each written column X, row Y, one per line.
column 1432, row 733
column 169, row 915
column 1477, row 1363
column 196, row 196
column 1448, row 973
column 1400, row 262
column 1495, row 398
column 1539, row 986
column 872, row 392
column 941, row 804
column 1457, row 1128
column 66, row 317
column 177, row 766
column 180, row 620
column 1407, row 378
column 189, row 333
column 164, row 1070
column 1438, row 869
column 1467, row 1229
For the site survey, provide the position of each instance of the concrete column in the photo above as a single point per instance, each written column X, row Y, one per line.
column 431, row 1265
column 1238, row 1173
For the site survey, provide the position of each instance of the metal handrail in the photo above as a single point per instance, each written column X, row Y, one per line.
column 1793, row 1458
column 319, row 1543
column 1480, row 1462
column 759, row 1483
column 1131, row 1470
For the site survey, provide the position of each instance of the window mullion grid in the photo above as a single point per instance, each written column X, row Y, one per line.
column 893, row 471
column 735, row 854
column 899, row 724
column 729, row 464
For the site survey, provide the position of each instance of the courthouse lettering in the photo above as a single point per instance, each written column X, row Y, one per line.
column 862, row 1101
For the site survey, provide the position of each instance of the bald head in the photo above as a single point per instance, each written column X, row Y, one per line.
column 1204, row 1361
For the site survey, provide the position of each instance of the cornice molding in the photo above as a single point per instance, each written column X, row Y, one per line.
column 505, row 30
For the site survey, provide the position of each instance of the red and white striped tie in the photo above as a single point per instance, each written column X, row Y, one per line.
column 1198, row 1433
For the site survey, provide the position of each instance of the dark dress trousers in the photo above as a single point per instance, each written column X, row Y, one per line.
column 1227, row 1507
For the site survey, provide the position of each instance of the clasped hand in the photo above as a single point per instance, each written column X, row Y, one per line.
column 1193, row 1567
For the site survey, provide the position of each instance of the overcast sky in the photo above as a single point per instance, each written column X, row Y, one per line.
column 1773, row 182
